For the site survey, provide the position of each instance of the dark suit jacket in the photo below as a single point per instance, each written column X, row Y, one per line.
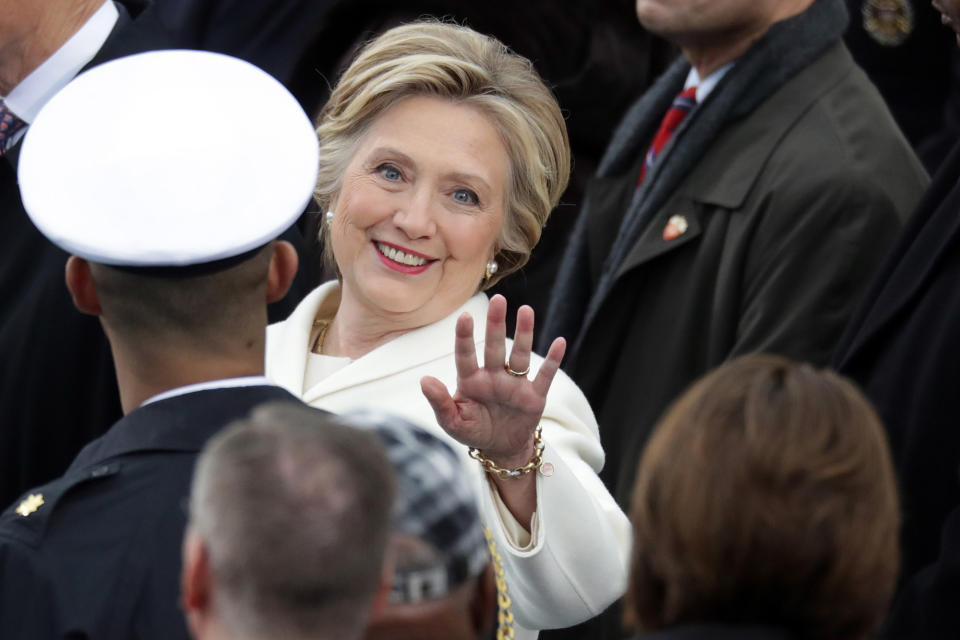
column 903, row 348
column 100, row 557
column 57, row 385
column 273, row 35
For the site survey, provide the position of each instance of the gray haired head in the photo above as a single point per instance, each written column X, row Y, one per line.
column 293, row 508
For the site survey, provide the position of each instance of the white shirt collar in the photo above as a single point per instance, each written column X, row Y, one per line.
column 706, row 85
column 27, row 98
column 248, row 381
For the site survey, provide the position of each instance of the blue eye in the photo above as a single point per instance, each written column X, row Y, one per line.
column 465, row 196
column 390, row 172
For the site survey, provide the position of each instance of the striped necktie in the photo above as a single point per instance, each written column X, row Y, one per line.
column 10, row 124
column 682, row 105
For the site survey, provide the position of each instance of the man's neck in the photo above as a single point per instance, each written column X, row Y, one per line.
column 141, row 376
column 712, row 55
column 707, row 60
column 40, row 29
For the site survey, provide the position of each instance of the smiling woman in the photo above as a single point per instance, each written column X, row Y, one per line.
column 423, row 196
column 442, row 154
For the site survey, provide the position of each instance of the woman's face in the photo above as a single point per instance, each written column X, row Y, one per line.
column 419, row 211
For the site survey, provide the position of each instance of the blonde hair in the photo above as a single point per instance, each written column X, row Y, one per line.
column 455, row 63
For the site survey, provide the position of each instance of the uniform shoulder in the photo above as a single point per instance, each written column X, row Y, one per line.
column 27, row 520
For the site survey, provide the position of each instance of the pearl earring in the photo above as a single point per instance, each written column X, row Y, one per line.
column 329, row 217
column 492, row 268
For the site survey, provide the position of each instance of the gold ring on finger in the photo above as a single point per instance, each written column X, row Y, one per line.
column 519, row 374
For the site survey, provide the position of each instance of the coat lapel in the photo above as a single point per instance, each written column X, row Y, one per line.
column 656, row 239
column 288, row 346
column 607, row 198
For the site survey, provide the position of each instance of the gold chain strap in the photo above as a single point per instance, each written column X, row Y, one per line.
column 491, row 467
column 504, row 615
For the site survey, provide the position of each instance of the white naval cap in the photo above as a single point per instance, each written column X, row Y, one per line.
column 168, row 158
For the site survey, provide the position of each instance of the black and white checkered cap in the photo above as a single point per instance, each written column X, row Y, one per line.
column 436, row 503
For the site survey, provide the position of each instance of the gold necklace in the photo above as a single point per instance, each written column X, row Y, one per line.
column 505, row 629
column 317, row 346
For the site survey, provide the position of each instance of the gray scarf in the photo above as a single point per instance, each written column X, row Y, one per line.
column 786, row 49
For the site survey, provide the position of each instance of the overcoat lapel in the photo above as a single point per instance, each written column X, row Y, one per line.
column 652, row 242
column 608, row 197
column 717, row 182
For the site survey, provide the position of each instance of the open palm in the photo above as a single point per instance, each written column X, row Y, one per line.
column 493, row 410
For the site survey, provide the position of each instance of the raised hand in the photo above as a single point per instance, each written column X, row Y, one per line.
column 493, row 409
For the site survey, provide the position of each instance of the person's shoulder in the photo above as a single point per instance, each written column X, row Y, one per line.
column 28, row 522
column 849, row 125
column 70, row 544
column 848, row 146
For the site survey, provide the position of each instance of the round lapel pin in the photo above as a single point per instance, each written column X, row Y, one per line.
column 676, row 226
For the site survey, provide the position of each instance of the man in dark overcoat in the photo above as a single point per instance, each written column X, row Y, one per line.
column 178, row 266
column 745, row 214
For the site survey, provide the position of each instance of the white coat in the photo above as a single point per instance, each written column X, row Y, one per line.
column 577, row 560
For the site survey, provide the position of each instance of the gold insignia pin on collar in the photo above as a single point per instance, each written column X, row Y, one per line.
column 30, row 504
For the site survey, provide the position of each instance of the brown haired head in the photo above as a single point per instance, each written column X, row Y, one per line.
column 766, row 496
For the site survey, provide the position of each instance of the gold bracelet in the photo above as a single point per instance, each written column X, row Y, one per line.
column 491, row 467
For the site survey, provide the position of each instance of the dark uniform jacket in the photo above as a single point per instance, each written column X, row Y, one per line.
column 96, row 553
column 58, row 389
column 903, row 348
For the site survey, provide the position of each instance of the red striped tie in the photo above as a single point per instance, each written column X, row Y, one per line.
column 10, row 124
column 683, row 104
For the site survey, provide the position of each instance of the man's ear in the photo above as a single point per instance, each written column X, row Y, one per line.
column 195, row 581
column 483, row 606
column 283, row 268
column 81, row 286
